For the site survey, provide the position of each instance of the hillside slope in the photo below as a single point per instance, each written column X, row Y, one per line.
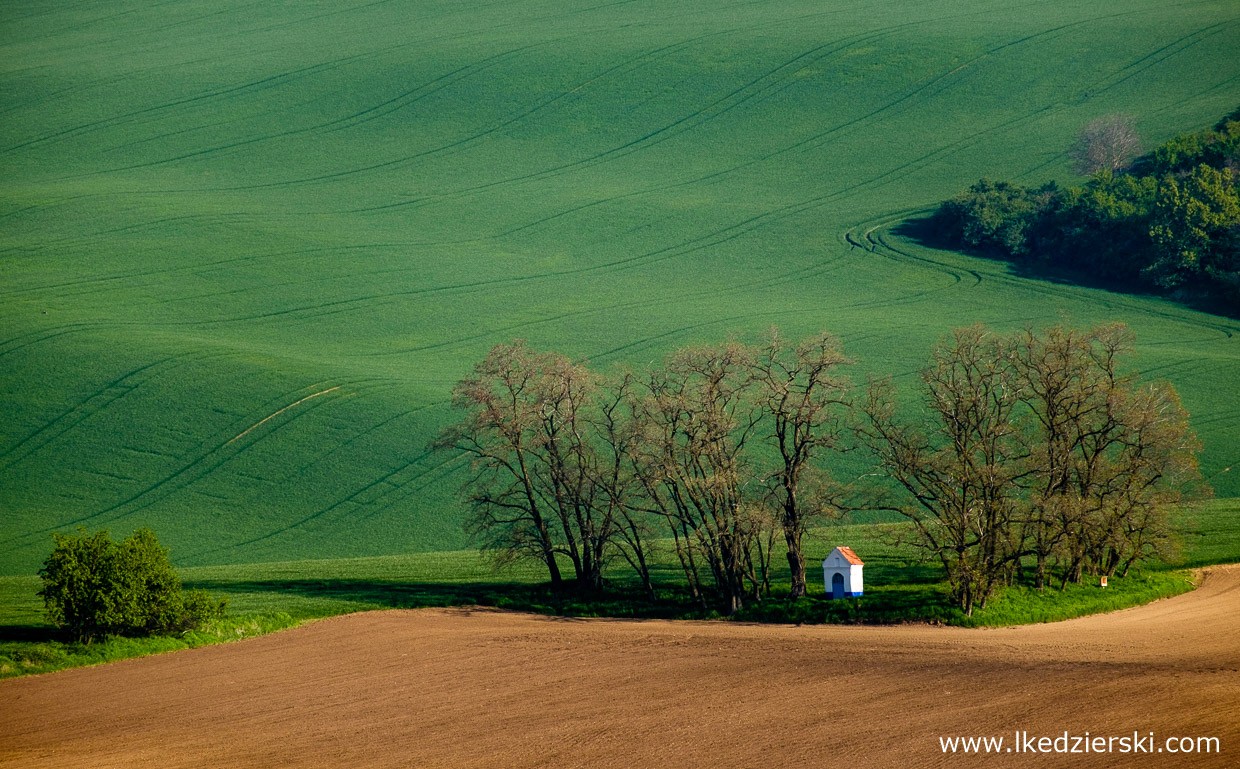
column 249, row 246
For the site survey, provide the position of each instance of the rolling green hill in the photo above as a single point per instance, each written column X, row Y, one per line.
column 246, row 247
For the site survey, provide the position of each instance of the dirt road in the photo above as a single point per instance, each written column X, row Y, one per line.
column 480, row 688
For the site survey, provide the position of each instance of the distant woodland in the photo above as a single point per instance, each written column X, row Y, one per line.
column 1167, row 221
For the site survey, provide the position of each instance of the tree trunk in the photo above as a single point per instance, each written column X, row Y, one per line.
column 579, row 571
column 589, row 575
column 646, row 583
column 594, row 580
column 557, row 581
column 796, row 563
column 1113, row 561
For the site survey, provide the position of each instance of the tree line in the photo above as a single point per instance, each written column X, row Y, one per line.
column 1034, row 455
column 1168, row 221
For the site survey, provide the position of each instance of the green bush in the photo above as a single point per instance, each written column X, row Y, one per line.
column 996, row 218
column 94, row 587
column 1217, row 147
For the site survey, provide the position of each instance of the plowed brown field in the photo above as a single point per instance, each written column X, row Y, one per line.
column 454, row 687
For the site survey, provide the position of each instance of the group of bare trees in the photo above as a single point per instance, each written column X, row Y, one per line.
column 569, row 463
column 1031, row 451
column 1035, row 448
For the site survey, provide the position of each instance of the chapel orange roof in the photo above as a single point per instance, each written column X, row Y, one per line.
column 850, row 556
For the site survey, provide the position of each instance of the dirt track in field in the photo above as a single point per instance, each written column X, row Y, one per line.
column 448, row 688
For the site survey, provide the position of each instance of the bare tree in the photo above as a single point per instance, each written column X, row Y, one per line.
column 695, row 419
column 503, row 401
column 963, row 466
column 1109, row 455
column 617, row 482
column 538, row 482
column 1106, row 144
column 1035, row 444
column 1131, row 471
column 1067, row 394
column 804, row 399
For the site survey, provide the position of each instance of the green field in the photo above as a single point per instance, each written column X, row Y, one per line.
column 249, row 246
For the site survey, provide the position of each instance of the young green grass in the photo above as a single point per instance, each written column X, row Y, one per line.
column 248, row 247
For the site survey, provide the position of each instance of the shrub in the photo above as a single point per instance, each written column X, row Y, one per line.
column 1179, row 153
column 1102, row 229
column 93, row 587
column 996, row 218
column 1218, row 148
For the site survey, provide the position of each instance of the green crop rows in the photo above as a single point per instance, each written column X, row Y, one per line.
column 247, row 247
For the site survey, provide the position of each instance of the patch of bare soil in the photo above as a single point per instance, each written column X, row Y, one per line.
column 466, row 688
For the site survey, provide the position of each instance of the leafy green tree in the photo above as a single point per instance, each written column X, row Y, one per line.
column 1217, row 148
column 93, row 587
column 1178, row 153
column 996, row 218
column 1190, row 218
column 1102, row 229
column 1167, row 221
column 1224, row 269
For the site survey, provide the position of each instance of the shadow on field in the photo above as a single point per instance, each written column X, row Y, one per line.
column 360, row 594
column 915, row 596
column 924, row 231
column 30, row 633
